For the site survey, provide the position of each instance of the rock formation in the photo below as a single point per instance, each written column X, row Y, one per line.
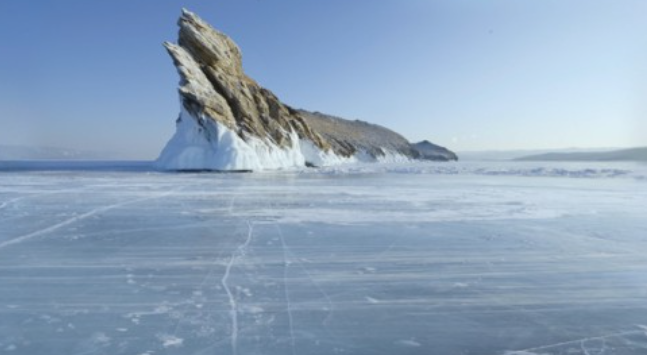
column 430, row 151
column 229, row 122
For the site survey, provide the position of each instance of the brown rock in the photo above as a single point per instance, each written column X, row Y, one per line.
column 214, row 86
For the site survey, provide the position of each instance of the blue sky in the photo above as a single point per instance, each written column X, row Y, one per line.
column 470, row 75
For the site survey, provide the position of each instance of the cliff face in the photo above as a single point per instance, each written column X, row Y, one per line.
column 229, row 122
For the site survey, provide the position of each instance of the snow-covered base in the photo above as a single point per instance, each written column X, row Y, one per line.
column 215, row 147
column 212, row 146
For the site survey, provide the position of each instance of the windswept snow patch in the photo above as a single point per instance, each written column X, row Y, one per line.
column 169, row 341
column 317, row 157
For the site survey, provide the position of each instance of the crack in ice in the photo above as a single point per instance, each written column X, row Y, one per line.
column 286, row 266
column 325, row 295
column 233, row 304
column 39, row 194
column 572, row 342
column 11, row 201
column 231, row 205
column 599, row 351
column 78, row 218
column 583, row 347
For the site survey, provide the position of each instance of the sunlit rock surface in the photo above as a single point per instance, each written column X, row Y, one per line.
column 229, row 122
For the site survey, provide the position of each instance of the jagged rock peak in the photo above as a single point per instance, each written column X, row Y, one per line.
column 207, row 45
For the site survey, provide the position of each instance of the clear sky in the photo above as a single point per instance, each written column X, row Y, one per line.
column 470, row 75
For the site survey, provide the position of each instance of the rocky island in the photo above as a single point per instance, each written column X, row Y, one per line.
column 228, row 121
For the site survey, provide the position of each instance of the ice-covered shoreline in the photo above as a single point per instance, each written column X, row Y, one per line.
column 587, row 170
column 201, row 143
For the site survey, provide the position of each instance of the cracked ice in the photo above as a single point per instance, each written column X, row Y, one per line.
column 390, row 261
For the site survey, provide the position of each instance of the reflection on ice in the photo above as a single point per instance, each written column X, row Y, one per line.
column 362, row 262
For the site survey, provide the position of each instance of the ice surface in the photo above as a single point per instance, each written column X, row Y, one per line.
column 459, row 258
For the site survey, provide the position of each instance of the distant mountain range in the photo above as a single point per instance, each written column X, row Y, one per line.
column 633, row 154
column 15, row 152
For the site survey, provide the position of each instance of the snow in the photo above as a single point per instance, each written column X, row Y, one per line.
column 317, row 157
column 209, row 145
column 472, row 258
column 169, row 341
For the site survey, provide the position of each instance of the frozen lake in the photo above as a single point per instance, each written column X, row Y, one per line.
column 465, row 258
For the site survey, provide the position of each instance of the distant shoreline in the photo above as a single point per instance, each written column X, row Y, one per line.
column 77, row 165
column 632, row 154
